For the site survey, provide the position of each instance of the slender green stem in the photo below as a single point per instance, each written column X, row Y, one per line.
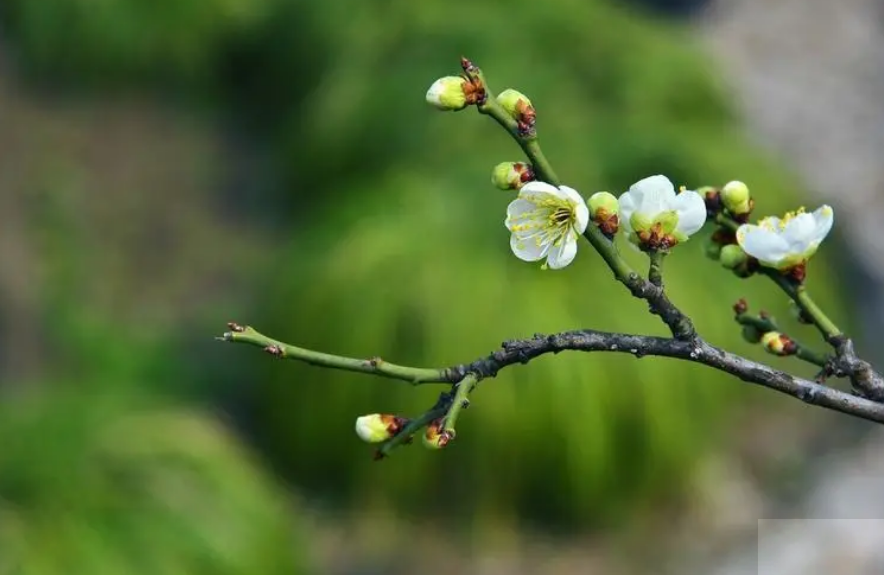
column 608, row 251
column 376, row 366
column 813, row 311
column 544, row 171
column 529, row 144
column 811, row 356
column 464, row 388
column 726, row 222
column 800, row 295
column 655, row 271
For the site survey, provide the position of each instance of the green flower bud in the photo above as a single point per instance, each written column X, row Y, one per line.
column 735, row 197
column 777, row 343
column 514, row 102
column 511, row 175
column 604, row 204
column 449, row 93
column 436, row 437
column 732, row 256
column 751, row 333
column 378, row 427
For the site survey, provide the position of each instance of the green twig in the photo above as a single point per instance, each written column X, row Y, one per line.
column 799, row 294
column 655, row 271
column 767, row 324
column 376, row 366
column 460, row 401
column 679, row 324
column 529, row 144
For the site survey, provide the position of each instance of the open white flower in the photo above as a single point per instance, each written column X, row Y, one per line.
column 546, row 222
column 787, row 242
column 655, row 217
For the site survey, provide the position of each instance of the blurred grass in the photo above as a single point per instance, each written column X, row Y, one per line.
column 112, row 483
column 393, row 244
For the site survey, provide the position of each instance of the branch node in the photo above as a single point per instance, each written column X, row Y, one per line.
column 807, row 394
column 275, row 350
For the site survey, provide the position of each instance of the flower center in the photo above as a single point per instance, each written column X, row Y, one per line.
column 548, row 223
column 561, row 215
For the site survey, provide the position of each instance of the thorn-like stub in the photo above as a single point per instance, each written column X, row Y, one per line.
column 468, row 67
column 741, row 307
column 235, row 327
column 275, row 350
column 378, row 455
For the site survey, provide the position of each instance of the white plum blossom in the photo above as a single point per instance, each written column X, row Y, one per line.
column 655, row 217
column 546, row 222
column 787, row 242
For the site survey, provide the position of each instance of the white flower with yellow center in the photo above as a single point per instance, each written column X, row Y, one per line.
column 654, row 217
column 546, row 222
column 787, row 242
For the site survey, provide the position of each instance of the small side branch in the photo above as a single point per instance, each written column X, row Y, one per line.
column 523, row 351
column 375, row 365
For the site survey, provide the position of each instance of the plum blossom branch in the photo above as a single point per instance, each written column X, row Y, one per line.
column 546, row 221
column 522, row 351
column 789, row 275
column 519, row 122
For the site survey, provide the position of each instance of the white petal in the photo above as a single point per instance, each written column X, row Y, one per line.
column 627, row 208
column 799, row 231
column 518, row 207
column 533, row 191
column 824, row 217
column 515, row 216
column 762, row 244
column 570, row 194
column 528, row 249
column 691, row 212
column 581, row 213
column 562, row 255
column 653, row 195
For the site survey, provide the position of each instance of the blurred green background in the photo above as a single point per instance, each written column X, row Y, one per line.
column 169, row 165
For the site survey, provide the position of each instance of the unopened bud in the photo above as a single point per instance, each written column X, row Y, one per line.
column 735, row 197
column 732, row 256
column 449, row 93
column 511, row 175
column 604, row 210
column 711, row 197
column 378, row 427
column 436, row 437
column 777, row 343
column 741, row 306
column 515, row 103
